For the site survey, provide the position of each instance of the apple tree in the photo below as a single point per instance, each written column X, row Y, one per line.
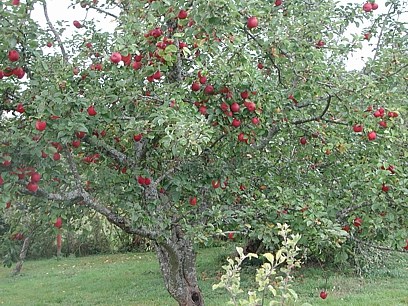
column 197, row 118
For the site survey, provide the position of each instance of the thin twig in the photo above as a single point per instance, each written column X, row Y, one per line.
column 103, row 11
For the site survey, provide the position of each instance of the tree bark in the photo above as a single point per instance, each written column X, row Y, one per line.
column 178, row 266
column 23, row 254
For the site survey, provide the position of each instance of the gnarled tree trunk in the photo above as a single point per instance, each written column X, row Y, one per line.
column 178, row 266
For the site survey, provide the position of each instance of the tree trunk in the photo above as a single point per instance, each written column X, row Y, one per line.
column 178, row 266
column 23, row 254
column 59, row 244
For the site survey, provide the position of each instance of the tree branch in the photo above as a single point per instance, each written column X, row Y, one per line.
column 103, row 11
column 110, row 151
column 54, row 31
column 370, row 244
column 320, row 117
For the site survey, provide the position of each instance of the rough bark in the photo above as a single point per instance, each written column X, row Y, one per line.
column 23, row 254
column 178, row 266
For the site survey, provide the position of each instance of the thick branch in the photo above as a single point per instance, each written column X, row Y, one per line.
column 110, row 151
column 271, row 133
column 344, row 212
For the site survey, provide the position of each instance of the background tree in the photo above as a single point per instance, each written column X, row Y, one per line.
column 199, row 117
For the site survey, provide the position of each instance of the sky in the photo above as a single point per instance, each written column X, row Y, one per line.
column 58, row 10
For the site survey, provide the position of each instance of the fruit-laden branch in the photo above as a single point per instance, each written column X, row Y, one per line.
column 320, row 117
column 80, row 194
column 57, row 36
column 270, row 57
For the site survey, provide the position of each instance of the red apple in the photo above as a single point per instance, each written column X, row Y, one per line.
column 193, row 201
column 141, row 180
column 195, row 86
column 1, row 181
column 367, row 36
column 80, row 134
column 320, row 44
column 209, row 90
column 58, row 222
column 303, row 140
column 385, row 188
column 236, row 122
column 147, row 181
column 182, row 14
column 323, row 295
column 357, row 128
column 371, row 135
column 137, row 65
column 157, row 75
column 203, row 80
column 215, row 184
column 383, row 123
column 231, row 236
column 40, row 125
column 56, row 156
column 15, row 2
column 278, row 2
column 33, row 187
column 377, row 114
column 137, row 137
column 367, row 7
column 203, row 109
column 374, row 6
column 35, row 177
column 76, row 143
column 250, row 105
column 116, row 57
column 244, row 95
column 241, row 138
column 260, row 66
column 255, row 120
column 13, row 55
column 20, row 108
column 77, row 24
column 357, row 222
column 19, row 72
column 346, row 228
column 91, row 111
column 8, row 205
column 252, row 22
column 224, row 106
column 234, row 107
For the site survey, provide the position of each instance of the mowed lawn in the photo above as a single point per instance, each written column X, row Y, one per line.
column 135, row 279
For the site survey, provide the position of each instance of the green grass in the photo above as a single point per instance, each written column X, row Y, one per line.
column 134, row 279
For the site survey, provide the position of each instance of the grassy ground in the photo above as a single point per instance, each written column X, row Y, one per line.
column 134, row 279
